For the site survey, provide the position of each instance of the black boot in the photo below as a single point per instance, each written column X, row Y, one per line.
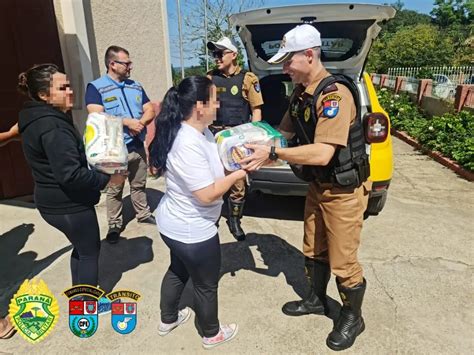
column 315, row 302
column 236, row 210
column 350, row 322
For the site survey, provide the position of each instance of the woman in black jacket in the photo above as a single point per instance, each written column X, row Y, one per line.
column 65, row 189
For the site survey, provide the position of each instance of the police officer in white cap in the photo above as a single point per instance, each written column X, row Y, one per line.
column 324, row 114
column 240, row 100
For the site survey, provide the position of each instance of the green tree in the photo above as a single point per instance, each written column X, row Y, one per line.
column 403, row 18
column 456, row 19
column 413, row 46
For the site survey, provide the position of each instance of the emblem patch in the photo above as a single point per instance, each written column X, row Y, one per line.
column 83, row 313
column 331, row 105
column 124, row 314
column 307, row 114
column 110, row 99
column 34, row 310
column 234, row 90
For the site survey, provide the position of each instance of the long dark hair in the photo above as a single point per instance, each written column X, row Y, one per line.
column 37, row 79
column 177, row 106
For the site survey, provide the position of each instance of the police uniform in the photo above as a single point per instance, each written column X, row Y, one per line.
column 238, row 94
column 333, row 214
column 335, row 203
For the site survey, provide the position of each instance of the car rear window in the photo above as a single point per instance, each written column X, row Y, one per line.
column 340, row 40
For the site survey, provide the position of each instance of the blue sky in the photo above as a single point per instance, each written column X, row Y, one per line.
column 423, row 6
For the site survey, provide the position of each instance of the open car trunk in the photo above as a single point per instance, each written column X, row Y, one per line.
column 347, row 32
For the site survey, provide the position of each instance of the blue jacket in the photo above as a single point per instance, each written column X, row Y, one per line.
column 123, row 99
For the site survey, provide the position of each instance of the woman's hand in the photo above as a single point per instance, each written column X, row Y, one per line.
column 259, row 157
column 117, row 179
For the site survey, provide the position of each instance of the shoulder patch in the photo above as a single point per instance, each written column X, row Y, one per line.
column 331, row 105
column 330, row 88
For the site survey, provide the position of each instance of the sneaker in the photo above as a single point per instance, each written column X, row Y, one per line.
column 113, row 235
column 104, row 306
column 226, row 333
column 149, row 220
column 183, row 316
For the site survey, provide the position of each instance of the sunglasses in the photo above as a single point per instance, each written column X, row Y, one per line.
column 220, row 54
column 125, row 64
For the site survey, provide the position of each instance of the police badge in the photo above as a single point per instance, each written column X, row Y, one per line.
column 83, row 309
column 83, row 318
column 124, row 314
column 34, row 310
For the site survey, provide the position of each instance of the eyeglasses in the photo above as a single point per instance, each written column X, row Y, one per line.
column 220, row 54
column 125, row 64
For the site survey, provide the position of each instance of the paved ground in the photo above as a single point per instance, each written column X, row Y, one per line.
column 417, row 257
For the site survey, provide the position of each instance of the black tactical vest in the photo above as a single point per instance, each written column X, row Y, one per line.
column 349, row 166
column 234, row 109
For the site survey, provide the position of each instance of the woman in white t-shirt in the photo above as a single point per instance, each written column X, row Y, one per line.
column 185, row 151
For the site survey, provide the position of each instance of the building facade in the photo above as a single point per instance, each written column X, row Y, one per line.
column 75, row 34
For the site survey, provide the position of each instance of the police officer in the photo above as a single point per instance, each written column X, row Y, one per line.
column 239, row 95
column 324, row 114
column 116, row 94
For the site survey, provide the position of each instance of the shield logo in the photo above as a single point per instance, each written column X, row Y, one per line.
column 124, row 317
column 83, row 318
column 34, row 310
column 234, row 90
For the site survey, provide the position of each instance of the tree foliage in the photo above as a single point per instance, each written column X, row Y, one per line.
column 413, row 39
column 414, row 46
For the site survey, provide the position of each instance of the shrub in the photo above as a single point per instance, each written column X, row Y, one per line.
column 451, row 134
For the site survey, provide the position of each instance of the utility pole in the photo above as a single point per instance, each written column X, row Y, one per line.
column 205, row 35
column 181, row 58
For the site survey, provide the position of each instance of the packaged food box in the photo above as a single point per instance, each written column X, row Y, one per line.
column 104, row 142
column 231, row 142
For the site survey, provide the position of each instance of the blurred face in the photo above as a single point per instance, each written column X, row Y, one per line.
column 60, row 93
column 298, row 66
column 121, row 65
column 224, row 58
column 208, row 109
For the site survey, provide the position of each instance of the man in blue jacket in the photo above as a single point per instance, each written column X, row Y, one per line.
column 118, row 95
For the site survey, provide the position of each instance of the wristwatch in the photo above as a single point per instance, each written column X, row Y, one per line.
column 273, row 155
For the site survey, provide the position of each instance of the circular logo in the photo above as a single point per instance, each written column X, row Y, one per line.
column 83, row 323
column 234, row 90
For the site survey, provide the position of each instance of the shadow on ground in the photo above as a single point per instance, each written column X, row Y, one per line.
column 277, row 256
column 153, row 196
column 116, row 259
column 17, row 266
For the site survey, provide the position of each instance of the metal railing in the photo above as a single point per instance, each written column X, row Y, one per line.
column 441, row 75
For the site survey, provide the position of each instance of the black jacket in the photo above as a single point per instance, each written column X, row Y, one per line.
column 55, row 152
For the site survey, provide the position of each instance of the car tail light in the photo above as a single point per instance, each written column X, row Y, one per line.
column 376, row 127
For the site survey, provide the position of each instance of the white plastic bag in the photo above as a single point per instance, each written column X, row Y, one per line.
column 231, row 142
column 104, row 142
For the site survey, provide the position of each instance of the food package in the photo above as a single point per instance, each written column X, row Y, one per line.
column 231, row 142
column 104, row 142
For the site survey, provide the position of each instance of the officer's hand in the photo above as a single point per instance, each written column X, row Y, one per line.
column 259, row 157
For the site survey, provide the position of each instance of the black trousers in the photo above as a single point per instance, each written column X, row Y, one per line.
column 202, row 262
column 82, row 230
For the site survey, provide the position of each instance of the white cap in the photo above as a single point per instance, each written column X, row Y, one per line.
column 223, row 43
column 298, row 39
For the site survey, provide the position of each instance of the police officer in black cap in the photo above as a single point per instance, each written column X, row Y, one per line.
column 240, row 101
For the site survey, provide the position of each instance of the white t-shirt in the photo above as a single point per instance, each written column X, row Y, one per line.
column 193, row 163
